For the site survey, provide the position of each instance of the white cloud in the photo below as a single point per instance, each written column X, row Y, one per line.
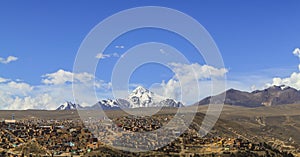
column 39, row 102
column 188, row 76
column 62, row 77
column 293, row 81
column 20, row 86
column 15, row 88
column 3, row 80
column 103, row 56
column 12, row 92
column 8, row 59
column 296, row 52
column 56, row 90
column 196, row 70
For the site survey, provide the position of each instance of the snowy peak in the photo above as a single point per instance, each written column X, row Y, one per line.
column 140, row 91
column 105, row 105
column 109, row 102
column 142, row 97
column 69, row 106
column 139, row 97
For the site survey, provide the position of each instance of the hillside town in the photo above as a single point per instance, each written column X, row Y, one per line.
column 69, row 137
column 46, row 137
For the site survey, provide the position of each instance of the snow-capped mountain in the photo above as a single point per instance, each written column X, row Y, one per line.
column 69, row 106
column 105, row 105
column 140, row 97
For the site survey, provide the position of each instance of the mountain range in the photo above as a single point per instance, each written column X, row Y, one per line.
column 272, row 96
column 140, row 97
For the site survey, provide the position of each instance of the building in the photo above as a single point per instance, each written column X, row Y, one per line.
column 9, row 121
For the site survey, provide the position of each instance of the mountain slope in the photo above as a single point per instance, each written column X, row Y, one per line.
column 275, row 95
column 69, row 106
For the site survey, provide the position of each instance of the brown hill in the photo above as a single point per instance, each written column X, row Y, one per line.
column 272, row 96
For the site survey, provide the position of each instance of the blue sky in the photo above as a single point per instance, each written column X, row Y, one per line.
column 256, row 40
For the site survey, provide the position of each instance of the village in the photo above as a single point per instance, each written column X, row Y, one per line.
column 48, row 137
column 37, row 137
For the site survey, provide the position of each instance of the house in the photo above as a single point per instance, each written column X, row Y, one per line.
column 12, row 121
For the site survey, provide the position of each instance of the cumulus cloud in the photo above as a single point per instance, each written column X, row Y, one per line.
column 62, row 77
column 12, row 92
column 56, row 89
column 103, row 56
column 293, row 81
column 8, row 59
column 196, row 70
column 15, row 88
column 296, row 52
column 183, row 85
column 20, row 86
column 42, row 101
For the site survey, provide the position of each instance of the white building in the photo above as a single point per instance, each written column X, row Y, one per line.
column 9, row 121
